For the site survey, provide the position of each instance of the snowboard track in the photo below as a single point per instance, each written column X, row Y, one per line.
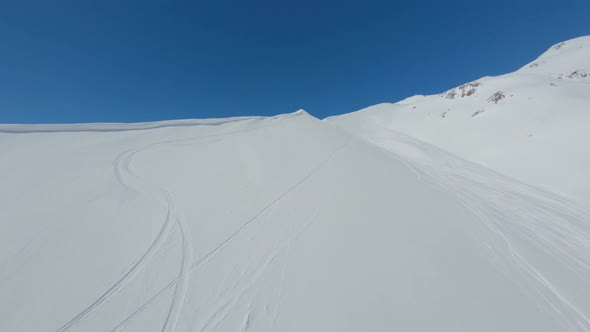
column 515, row 213
column 207, row 257
column 133, row 183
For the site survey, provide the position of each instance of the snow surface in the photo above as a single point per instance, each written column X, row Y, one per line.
column 538, row 131
column 290, row 223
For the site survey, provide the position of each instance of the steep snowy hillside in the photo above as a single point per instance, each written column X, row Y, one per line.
column 275, row 224
column 533, row 124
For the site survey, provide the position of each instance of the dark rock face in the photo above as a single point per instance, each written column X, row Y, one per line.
column 465, row 90
column 496, row 97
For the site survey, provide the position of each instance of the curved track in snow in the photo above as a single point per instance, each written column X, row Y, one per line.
column 133, row 182
column 535, row 243
column 227, row 240
column 526, row 222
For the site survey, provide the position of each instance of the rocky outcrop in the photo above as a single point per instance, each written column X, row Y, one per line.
column 465, row 90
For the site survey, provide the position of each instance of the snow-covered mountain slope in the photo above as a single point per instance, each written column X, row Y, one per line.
column 276, row 224
column 533, row 124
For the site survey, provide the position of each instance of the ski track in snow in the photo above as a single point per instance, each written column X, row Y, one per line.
column 213, row 252
column 124, row 176
column 513, row 212
column 183, row 279
column 286, row 248
column 127, row 178
column 228, row 304
column 132, row 182
column 225, row 242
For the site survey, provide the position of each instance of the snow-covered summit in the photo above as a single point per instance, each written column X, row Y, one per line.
column 568, row 59
column 531, row 124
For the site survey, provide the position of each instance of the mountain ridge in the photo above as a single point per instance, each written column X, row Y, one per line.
column 529, row 124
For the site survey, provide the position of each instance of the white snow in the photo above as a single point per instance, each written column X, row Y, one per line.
column 538, row 132
column 290, row 223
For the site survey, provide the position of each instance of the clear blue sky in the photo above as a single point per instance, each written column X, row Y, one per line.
column 127, row 61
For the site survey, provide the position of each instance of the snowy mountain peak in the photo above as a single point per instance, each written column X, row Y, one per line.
column 567, row 46
column 568, row 59
column 524, row 124
column 300, row 111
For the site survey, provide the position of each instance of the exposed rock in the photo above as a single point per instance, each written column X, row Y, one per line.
column 449, row 95
column 465, row 90
column 496, row 97
column 577, row 74
column 558, row 46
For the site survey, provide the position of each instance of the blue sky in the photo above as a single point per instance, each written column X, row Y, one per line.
column 127, row 61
